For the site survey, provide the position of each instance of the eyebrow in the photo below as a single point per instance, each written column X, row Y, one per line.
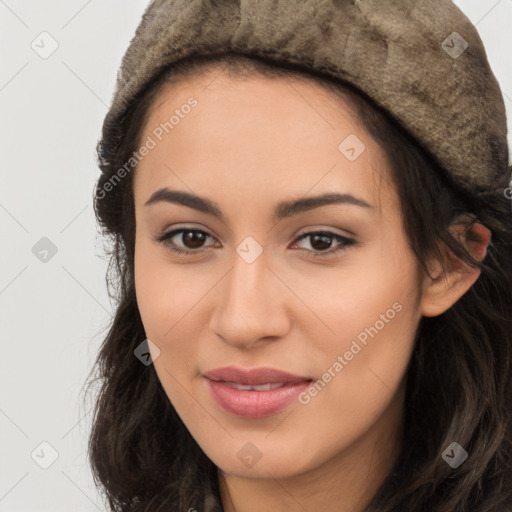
column 283, row 210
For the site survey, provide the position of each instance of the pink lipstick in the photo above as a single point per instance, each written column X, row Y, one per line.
column 254, row 393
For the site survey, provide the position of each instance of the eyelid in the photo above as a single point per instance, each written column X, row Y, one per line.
column 184, row 227
column 344, row 243
column 335, row 231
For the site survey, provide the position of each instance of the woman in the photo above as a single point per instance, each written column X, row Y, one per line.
column 312, row 252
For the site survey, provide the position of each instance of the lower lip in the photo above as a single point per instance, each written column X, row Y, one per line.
column 255, row 404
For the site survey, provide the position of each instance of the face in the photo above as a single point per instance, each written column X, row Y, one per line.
column 326, row 290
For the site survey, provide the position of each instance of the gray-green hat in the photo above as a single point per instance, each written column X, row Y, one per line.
column 423, row 61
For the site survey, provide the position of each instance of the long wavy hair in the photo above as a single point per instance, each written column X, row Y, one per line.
column 459, row 380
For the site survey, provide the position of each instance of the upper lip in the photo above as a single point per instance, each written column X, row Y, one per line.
column 254, row 376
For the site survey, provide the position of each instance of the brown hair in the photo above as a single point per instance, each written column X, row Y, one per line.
column 459, row 381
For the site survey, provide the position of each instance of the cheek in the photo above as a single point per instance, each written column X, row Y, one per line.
column 171, row 299
column 375, row 288
column 166, row 298
column 360, row 371
column 372, row 311
column 151, row 289
column 165, row 293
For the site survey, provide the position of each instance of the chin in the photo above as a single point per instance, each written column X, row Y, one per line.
column 259, row 460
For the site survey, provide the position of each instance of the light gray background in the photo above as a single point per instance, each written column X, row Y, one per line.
column 52, row 314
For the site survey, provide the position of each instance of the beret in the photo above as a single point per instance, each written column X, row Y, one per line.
column 422, row 61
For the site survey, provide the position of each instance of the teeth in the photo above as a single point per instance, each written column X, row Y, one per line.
column 260, row 387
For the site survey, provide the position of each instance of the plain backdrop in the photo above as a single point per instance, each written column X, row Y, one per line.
column 53, row 300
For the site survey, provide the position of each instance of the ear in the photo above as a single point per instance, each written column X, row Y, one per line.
column 451, row 282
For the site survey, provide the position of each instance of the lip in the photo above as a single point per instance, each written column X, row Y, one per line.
column 253, row 403
column 254, row 376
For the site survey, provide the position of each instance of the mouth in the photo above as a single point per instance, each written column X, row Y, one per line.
column 255, row 393
column 260, row 387
column 254, row 376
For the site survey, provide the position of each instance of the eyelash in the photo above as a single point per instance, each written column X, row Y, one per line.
column 345, row 242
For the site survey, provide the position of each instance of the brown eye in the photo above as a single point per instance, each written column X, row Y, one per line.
column 321, row 242
column 192, row 240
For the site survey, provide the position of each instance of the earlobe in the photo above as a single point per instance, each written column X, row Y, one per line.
column 445, row 288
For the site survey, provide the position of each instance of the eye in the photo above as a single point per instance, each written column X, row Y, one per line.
column 192, row 239
column 322, row 240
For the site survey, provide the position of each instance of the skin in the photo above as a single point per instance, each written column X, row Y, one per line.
column 246, row 146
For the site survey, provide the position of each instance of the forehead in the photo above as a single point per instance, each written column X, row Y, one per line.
column 259, row 136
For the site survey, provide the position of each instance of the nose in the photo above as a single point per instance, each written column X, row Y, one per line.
column 251, row 305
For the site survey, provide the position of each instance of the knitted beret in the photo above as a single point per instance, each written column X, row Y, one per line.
column 422, row 61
